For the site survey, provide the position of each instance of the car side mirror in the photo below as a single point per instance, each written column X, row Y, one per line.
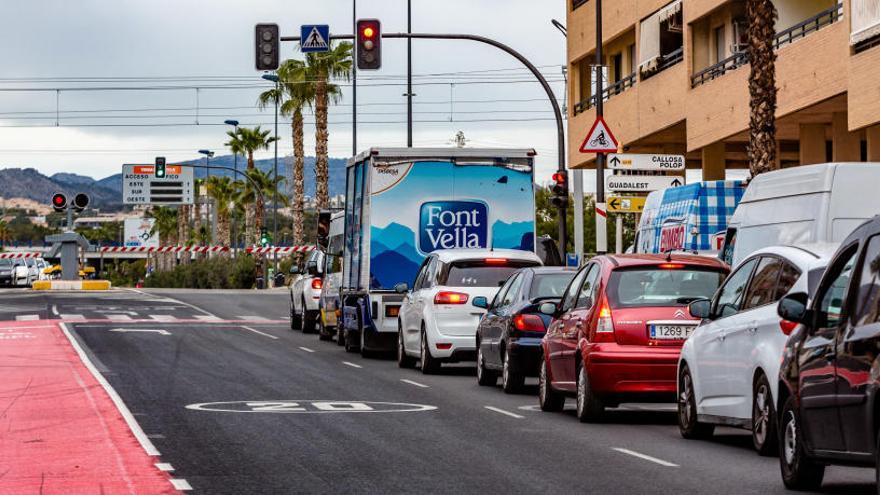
column 793, row 307
column 401, row 288
column 548, row 308
column 312, row 268
column 480, row 302
column 701, row 308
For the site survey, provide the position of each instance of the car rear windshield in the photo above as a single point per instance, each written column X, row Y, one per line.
column 6, row 263
column 480, row 273
column 657, row 286
column 551, row 285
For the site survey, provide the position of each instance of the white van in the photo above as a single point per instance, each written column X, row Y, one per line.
column 809, row 204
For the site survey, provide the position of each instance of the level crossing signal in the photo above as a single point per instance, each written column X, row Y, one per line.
column 559, row 191
column 59, row 202
column 369, row 44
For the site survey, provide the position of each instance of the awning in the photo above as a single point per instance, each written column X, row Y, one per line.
column 649, row 37
column 670, row 10
column 865, row 15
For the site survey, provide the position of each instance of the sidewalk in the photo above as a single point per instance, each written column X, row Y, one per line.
column 60, row 432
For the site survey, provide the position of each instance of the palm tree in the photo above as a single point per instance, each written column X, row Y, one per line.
column 5, row 233
column 222, row 191
column 762, row 85
column 245, row 141
column 166, row 226
column 295, row 93
column 321, row 68
column 184, row 213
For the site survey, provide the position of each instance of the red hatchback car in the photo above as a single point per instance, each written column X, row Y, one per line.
column 618, row 330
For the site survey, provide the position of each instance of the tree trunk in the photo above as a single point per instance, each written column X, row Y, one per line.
column 184, row 213
column 252, row 225
column 762, row 86
column 321, row 136
column 298, row 179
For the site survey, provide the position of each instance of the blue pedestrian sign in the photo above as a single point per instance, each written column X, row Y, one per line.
column 314, row 38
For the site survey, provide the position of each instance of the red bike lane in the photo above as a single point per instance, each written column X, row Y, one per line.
column 60, row 431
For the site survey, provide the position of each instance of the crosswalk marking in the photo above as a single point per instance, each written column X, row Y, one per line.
column 119, row 317
column 206, row 318
column 27, row 317
column 253, row 318
column 163, row 317
column 72, row 317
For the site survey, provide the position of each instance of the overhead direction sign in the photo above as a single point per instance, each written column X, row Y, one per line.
column 141, row 187
column 314, row 38
column 629, row 161
column 599, row 139
column 626, row 204
column 641, row 183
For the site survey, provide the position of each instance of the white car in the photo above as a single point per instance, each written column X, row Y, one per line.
column 729, row 367
column 437, row 323
column 305, row 293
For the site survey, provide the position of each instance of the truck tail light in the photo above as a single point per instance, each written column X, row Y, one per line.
column 317, row 283
column 528, row 323
column 448, row 297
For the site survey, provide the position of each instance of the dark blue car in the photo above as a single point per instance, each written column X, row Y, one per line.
column 510, row 333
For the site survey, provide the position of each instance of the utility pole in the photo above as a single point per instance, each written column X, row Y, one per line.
column 601, row 211
column 354, row 85
column 275, row 180
column 409, row 93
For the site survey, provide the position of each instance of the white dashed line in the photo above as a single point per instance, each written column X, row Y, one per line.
column 249, row 329
column 253, row 318
column 417, row 384
column 27, row 317
column 206, row 317
column 72, row 317
column 164, row 466
column 165, row 318
column 55, row 310
column 119, row 317
column 645, row 457
column 502, row 411
column 307, row 349
column 348, row 363
column 181, row 484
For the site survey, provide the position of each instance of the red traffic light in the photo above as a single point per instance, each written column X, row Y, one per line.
column 59, row 201
column 368, row 32
column 560, row 177
column 369, row 44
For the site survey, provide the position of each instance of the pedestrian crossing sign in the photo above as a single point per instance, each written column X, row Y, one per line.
column 314, row 38
column 599, row 139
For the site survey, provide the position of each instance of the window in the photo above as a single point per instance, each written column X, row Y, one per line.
column 831, row 302
column 617, row 64
column 655, row 286
column 787, row 278
column 574, row 288
column 660, row 39
column 762, row 290
column 550, row 285
column 499, row 296
column 420, row 277
column 513, row 292
column 730, row 296
column 587, row 294
column 868, row 303
column 720, row 45
column 479, row 273
column 727, row 249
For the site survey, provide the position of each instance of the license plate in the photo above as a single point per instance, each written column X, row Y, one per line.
column 671, row 332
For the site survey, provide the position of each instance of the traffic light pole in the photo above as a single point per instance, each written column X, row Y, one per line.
column 560, row 127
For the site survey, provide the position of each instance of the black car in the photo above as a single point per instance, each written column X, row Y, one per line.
column 510, row 333
column 829, row 380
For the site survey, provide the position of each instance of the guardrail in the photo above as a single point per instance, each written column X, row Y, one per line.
column 730, row 63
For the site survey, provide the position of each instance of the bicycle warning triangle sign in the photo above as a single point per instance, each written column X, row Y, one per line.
column 599, row 139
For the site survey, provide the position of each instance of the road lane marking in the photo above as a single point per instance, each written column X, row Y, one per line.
column 55, row 310
column 164, row 466
column 117, row 400
column 249, row 329
column 181, row 484
column 645, row 457
column 307, row 349
column 348, row 363
column 502, row 411
column 253, row 318
column 206, row 317
column 72, row 317
column 119, row 317
column 27, row 317
column 417, row 384
column 147, row 330
column 163, row 318
column 309, row 407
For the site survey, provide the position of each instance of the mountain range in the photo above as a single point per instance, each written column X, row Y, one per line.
column 106, row 193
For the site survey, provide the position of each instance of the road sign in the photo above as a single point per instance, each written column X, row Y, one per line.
column 141, row 187
column 599, row 139
column 628, row 161
column 137, row 232
column 641, row 183
column 314, row 38
column 626, row 204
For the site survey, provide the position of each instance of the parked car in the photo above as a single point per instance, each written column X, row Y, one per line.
column 9, row 272
column 305, row 293
column 436, row 324
column 618, row 331
column 509, row 335
column 828, row 407
column 802, row 205
column 728, row 367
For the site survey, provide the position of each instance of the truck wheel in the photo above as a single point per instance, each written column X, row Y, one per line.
column 322, row 330
column 364, row 352
column 340, row 335
column 429, row 364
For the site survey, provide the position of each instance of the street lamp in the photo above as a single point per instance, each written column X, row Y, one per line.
column 274, row 78
column 234, row 124
column 208, row 154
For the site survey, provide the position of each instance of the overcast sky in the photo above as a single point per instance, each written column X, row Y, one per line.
column 185, row 44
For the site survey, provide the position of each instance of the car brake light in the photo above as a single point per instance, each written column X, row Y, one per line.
column 317, row 283
column 604, row 324
column 529, row 323
column 496, row 261
column 443, row 347
column 671, row 266
column 787, row 326
column 446, row 297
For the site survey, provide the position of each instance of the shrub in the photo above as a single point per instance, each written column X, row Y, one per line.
column 214, row 273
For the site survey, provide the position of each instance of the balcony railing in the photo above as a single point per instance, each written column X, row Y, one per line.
column 614, row 89
column 666, row 61
column 798, row 31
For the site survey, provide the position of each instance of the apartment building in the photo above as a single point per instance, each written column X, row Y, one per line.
column 677, row 80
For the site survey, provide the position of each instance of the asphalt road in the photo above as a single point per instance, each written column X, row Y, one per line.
column 281, row 431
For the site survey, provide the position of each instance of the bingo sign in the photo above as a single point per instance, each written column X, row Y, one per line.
column 672, row 238
column 452, row 225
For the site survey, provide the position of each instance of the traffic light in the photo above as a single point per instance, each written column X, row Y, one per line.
column 80, row 202
column 268, row 46
column 59, row 202
column 369, row 44
column 159, row 171
column 264, row 237
column 559, row 196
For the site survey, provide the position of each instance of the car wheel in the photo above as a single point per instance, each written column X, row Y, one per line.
column 688, row 425
column 485, row 377
column 308, row 322
column 295, row 320
column 511, row 380
column 799, row 472
column 589, row 406
column 403, row 360
column 764, row 436
column 548, row 399
column 429, row 364
column 340, row 335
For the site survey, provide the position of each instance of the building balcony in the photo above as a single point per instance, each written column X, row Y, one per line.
column 612, row 90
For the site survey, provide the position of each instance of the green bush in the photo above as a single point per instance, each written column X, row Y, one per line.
column 215, row 273
column 125, row 274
